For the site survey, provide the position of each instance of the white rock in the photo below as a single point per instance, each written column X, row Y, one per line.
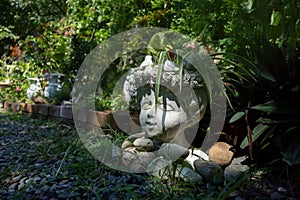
column 195, row 154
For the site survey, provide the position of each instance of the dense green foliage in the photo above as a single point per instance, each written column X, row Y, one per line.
column 255, row 42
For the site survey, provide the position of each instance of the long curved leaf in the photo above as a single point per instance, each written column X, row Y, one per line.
column 291, row 108
column 161, row 61
column 237, row 116
column 256, row 133
column 292, row 154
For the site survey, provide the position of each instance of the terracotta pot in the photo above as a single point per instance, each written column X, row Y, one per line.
column 31, row 108
column 98, row 118
column 7, row 105
column 12, row 106
column 103, row 118
column 121, row 120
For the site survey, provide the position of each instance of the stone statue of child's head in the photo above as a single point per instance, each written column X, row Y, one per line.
column 177, row 104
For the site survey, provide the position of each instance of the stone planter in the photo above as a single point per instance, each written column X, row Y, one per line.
column 121, row 120
column 81, row 115
column 98, row 118
column 103, row 118
column 117, row 120
column 66, row 112
column 135, row 124
column 54, row 111
column 43, row 109
column 31, row 108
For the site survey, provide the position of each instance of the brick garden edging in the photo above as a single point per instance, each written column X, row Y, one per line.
column 104, row 119
column 40, row 110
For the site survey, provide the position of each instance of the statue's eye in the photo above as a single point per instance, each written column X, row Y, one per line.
column 167, row 107
column 146, row 105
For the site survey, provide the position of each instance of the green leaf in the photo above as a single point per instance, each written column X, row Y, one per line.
column 156, row 41
column 291, row 108
column 161, row 61
column 180, row 65
column 237, row 116
column 277, row 121
column 59, row 53
column 266, row 107
column 257, row 131
column 292, row 154
column 248, row 6
column 99, row 19
column 268, row 76
column 240, row 63
column 275, row 18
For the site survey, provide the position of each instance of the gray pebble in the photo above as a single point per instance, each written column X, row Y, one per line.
column 143, row 144
column 44, row 180
column 45, row 189
column 62, row 194
column 21, row 185
column 38, row 192
column 282, row 190
column 12, row 187
column 235, row 168
column 277, row 196
column 17, row 178
column 209, row 170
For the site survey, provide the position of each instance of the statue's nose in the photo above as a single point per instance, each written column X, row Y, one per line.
column 151, row 112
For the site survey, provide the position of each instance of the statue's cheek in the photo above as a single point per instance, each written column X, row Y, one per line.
column 183, row 117
column 143, row 117
column 172, row 119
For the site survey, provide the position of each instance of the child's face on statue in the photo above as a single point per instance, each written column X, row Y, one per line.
column 166, row 116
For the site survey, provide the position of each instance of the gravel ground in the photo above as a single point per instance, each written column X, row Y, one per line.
column 44, row 159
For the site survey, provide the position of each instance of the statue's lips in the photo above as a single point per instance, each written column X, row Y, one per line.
column 151, row 124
